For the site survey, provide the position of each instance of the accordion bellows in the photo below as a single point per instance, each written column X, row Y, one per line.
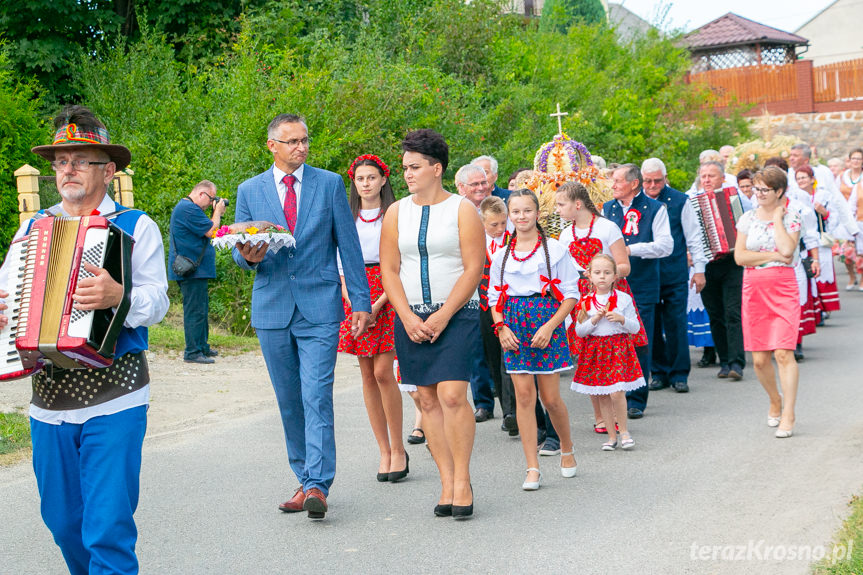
column 46, row 266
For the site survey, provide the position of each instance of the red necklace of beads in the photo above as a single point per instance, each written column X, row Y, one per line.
column 528, row 256
column 589, row 230
column 373, row 220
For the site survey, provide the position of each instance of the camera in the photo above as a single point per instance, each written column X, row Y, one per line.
column 217, row 199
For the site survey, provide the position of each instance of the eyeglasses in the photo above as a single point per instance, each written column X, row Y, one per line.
column 762, row 191
column 295, row 142
column 78, row 165
column 476, row 185
column 656, row 181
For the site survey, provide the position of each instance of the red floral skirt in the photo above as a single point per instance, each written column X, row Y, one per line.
column 639, row 339
column 607, row 364
column 378, row 339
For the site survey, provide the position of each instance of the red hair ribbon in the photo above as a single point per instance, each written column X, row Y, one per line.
column 501, row 302
column 384, row 168
column 551, row 285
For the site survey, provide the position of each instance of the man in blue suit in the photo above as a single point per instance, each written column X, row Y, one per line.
column 296, row 299
column 489, row 164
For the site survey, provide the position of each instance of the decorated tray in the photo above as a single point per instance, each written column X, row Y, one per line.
column 275, row 236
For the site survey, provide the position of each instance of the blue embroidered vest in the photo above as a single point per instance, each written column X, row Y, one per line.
column 644, row 276
column 130, row 340
column 674, row 269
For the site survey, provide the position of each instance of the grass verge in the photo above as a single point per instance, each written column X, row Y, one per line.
column 845, row 556
column 14, row 437
column 168, row 336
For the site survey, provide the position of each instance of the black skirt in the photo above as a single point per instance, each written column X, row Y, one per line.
column 449, row 358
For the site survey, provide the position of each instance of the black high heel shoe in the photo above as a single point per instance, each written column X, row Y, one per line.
column 383, row 477
column 398, row 475
column 463, row 511
column 443, row 510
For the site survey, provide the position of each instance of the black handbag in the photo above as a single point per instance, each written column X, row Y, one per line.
column 806, row 261
column 183, row 266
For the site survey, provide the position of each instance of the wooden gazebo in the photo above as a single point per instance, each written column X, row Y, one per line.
column 732, row 41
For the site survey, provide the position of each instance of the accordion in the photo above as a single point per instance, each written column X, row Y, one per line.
column 717, row 214
column 45, row 266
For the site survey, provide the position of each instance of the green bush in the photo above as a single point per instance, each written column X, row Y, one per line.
column 21, row 127
column 365, row 73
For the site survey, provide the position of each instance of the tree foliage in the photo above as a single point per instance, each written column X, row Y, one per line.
column 363, row 73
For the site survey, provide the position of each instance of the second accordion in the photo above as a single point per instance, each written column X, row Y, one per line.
column 717, row 213
column 45, row 266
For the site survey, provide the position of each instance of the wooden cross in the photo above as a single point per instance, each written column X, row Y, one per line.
column 559, row 115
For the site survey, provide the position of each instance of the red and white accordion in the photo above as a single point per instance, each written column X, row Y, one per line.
column 45, row 267
column 718, row 213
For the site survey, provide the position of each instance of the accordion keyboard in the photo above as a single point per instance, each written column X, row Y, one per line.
column 17, row 302
column 95, row 243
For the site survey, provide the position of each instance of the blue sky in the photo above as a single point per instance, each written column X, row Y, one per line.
column 786, row 15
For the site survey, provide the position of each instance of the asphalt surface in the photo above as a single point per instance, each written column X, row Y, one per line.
column 708, row 489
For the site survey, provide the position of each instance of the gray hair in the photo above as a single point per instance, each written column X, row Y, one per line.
column 631, row 172
column 466, row 171
column 708, row 156
column 653, row 165
column 807, row 151
column 719, row 166
column 835, row 160
column 492, row 163
column 204, row 185
column 726, row 147
column 598, row 161
column 283, row 119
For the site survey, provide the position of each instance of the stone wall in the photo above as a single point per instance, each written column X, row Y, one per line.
column 832, row 133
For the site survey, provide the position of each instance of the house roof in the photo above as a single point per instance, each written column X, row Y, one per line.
column 734, row 30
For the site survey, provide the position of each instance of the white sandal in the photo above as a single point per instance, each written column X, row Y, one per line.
column 568, row 472
column 532, row 485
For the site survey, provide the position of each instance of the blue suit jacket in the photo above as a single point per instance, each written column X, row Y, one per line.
column 305, row 276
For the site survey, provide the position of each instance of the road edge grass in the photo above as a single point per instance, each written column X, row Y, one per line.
column 838, row 560
column 167, row 335
column 14, row 437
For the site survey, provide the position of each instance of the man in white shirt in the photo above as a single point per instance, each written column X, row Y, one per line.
column 87, row 444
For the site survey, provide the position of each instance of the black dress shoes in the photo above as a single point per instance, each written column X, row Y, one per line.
column 200, row 358
column 680, row 386
column 399, row 475
column 656, row 384
column 510, row 424
column 482, row 414
column 635, row 413
column 212, row 353
column 708, row 358
column 463, row 511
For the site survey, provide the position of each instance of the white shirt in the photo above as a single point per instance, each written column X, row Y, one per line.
column 282, row 189
column 839, row 222
column 370, row 237
column 692, row 234
column 662, row 244
column 149, row 303
column 604, row 230
column 604, row 327
column 522, row 278
column 492, row 245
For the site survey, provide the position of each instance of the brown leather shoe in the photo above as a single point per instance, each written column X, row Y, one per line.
column 295, row 504
column 315, row 504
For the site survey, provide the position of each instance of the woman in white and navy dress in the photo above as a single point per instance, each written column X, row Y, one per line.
column 432, row 258
column 533, row 286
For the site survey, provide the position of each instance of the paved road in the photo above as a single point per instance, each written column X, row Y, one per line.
column 706, row 471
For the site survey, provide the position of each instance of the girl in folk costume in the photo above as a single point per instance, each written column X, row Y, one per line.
column 370, row 196
column 534, row 288
column 851, row 186
column 608, row 366
column 591, row 234
column 830, row 225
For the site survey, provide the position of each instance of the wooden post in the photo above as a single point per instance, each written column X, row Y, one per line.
column 123, row 188
column 27, row 178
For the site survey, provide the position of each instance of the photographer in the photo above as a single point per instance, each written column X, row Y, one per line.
column 192, row 261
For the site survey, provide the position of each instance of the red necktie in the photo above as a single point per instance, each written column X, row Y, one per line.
column 290, row 206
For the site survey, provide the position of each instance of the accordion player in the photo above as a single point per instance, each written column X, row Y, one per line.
column 717, row 213
column 44, row 328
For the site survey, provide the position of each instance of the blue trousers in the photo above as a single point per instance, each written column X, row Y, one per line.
column 88, row 478
column 301, row 361
column 196, row 321
column 638, row 397
column 670, row 360
column 480, row 378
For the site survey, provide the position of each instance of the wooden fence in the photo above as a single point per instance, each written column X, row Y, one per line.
column 839, row 82
column 790, row 88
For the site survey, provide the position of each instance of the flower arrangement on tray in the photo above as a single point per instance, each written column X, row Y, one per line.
column 274, row 235
column 556, row 162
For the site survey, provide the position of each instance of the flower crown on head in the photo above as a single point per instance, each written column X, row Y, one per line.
column 373, row 158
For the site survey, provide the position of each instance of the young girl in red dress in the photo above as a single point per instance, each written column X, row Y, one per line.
column 591, row 234
column 370, row 196
column 608, row 366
